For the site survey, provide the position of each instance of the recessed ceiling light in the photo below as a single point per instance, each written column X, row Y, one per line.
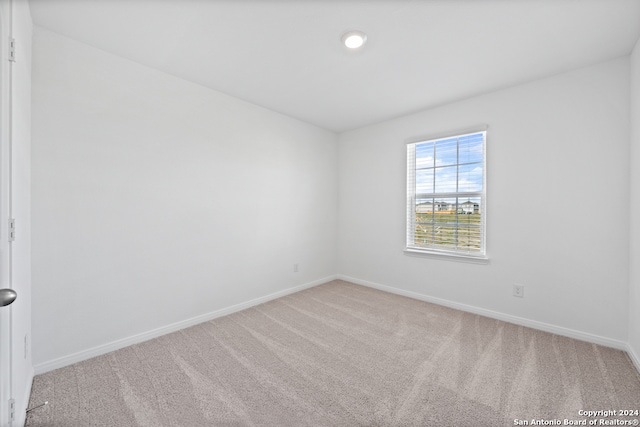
column 354, row 39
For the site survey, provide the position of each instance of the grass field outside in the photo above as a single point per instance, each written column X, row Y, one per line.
column 448, row 230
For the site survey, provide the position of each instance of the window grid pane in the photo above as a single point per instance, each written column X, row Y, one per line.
column 446, row 194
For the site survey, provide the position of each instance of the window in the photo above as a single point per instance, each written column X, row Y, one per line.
column 446, row 195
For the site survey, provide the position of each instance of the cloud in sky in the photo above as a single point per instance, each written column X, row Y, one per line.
column 468, row 177
column 438, row 159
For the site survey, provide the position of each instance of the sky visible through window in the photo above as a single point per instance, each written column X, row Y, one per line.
column 449, row 165
column 448, row 194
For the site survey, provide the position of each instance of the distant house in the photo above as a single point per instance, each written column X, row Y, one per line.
column 426, row 207
column 446, row 207
column 469, row 207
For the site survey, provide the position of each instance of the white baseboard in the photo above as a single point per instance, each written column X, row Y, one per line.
column 635, row 358
column 145, row 336
column 534, row 324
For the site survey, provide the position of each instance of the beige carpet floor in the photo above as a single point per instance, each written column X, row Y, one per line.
column 340, row 354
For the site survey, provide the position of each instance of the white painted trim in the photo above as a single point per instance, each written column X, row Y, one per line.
column 635, row 359
column 21, row 417
column 440, row 135
column 145, row 336
column 558, row 330
column 447, row 256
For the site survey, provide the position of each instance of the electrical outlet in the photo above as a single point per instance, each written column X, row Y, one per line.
column 518, row 291
column 295, row 268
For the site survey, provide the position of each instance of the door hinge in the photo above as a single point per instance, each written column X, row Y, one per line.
column 12, row 229
column 12, row 49
column 12, row 410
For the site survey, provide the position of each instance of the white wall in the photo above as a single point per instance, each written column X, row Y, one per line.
column 156, row 200
column 125, row 242
column 634, row 248
column 557, row 202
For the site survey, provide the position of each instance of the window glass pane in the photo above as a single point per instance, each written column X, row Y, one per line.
column 469, row 224
column 445, row 205
column 424, row 155
column 444, row 236
column 424, row 205
column 424, row 181
column 445, row 210
column 469, row 209
column 470, row 148
column 423, row 236
column 470, row 177
column 469, row 238
column 446, row 179
column 423, row 233
column 450, row 166
column 447, row 152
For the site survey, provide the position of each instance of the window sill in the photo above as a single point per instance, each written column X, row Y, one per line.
column 447, row 256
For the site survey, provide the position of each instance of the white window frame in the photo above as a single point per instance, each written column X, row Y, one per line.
column 451, row 254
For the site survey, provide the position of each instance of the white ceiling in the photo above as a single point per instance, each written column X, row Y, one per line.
column 286, row 55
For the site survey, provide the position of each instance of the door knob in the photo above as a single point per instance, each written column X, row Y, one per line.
column 7, row 296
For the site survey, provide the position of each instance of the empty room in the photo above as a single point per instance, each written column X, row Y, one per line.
column 319, row 213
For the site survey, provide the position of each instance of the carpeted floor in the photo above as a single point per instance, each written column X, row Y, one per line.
column 340, row 354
